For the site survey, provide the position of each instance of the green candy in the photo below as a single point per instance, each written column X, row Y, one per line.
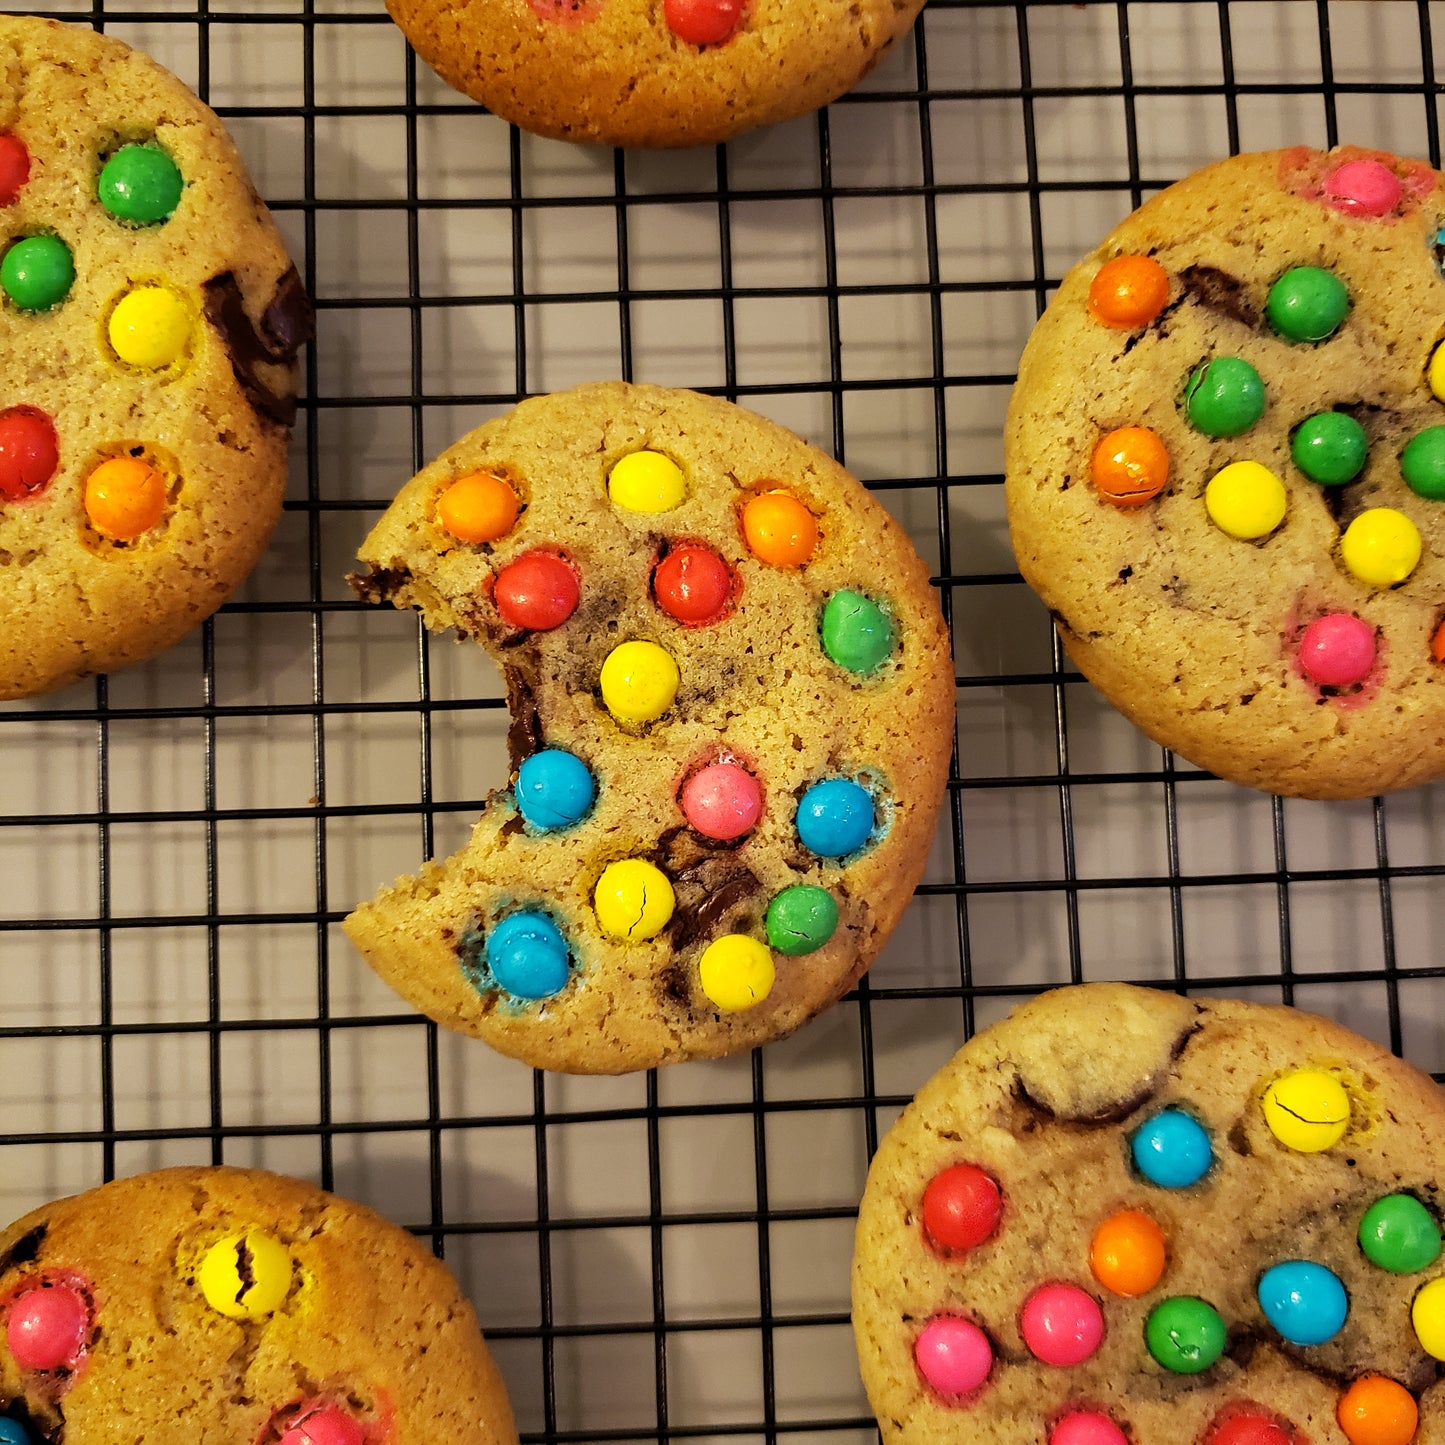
column 1423, row 463
column 1399, row 1234
column 37, row 273
column 1329, row 448
column 801, row 919
column 856, row 631
column 1184, row 1334
column 1224, row 397
column 140, row 184
column 1307, row 304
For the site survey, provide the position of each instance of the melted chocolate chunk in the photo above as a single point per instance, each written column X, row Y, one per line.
column 709, row 884
column 25, row 1250
column 524, row 734
column 1220, row 292
column 1113, row 1114
column 287, row 323
column 380, row 584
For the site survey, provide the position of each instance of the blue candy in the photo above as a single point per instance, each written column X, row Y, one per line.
column 12, row 1432
column 1172, row 1150
column 527, row 955
column 554, row 789
column 835, row 818
column 1304, row 1301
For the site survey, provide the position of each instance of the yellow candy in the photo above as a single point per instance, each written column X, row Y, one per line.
column 633, row 900
column 1307, row 1111
column 266, row 1283
column 1427, row 1314
column 150, row 328
column 646, row 482
column 1381, row 546
column 1246, row 500
column 736, row 972
column 1435, row 374
column 639, row 681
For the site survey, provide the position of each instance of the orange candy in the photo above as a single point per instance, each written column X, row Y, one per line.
column 1128, row 291
column 478, row 508
column 1377, row 1411
column 1437, row 644
column 1127, row 1253
column 1130, row 466
column 124, row 497
column 779, row 529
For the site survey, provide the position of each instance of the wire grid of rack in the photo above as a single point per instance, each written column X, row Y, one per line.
column 663, row 1255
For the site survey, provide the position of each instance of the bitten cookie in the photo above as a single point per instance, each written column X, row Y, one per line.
column 644, row 73
column 731, row 705
column 1125, row 1216
column 199, row 1305
column 149, row 324
column 1226, row 470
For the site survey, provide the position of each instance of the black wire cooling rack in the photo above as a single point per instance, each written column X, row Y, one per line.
column 664, row 1255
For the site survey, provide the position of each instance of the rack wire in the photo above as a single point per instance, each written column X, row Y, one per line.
column 662, row 1256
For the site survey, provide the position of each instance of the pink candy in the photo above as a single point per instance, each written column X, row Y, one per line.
column 1337, row 650
column 328, row 1425
column 953, row 1355
column 1061, row 1324
column 1087, row 1427
column 722, row 801
column 46, row 1328
column 1362, row 188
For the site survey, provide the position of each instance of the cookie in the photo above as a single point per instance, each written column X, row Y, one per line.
column 149, row 324
column 1122, row 1215
column 1226, row 470
column 731, row 702
column 642, row 73
column 234, row 1305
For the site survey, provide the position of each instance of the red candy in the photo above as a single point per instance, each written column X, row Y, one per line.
column 537, row 592
column 14, row 167
column 1362, row 188
column 47, row 1326
column 693, row 585
column 961, row 1208
column 702, row 22
column 1061, row 1324
column 1087, row 1427
column 722, row 801
column 328, row 1425
column 29, row 452
column 1249, row 1429
column 1337, row 650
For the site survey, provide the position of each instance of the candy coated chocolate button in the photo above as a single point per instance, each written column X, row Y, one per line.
column 1362, row 188
column 140, row 184
column 245, row 1276
column 1378, row 1411
column 723, row 801
column 801, row 919
column 124, row 497
column 537, row 592
column 1337, row 650
column 1248, row 1429
column 1437, row 643
column 1087, row 1427
column 14, row 167
column 1184, row 1334
column 633, row 899
column 961, row 1208
column 639, row 681
column 1224, row 397
column 326, row 1425
column 1307, row 304
column 29, row 452
column 528, row 955
column 554, row 789
column 150, row 328
column 478, row 507
column 1381, row 547
column 693, row 585
column 1061, row 1324
column 1171, row 1150
column 779, row 529
column 1129, row 466
column 857, row 634
column 1427, row 1314
column 1307, row 1111
column 646, row 482
column 953, row 1355
column 1422, row 463
column 1329, row 448
column 1246, row 500
column 1128, row 292
column 47, row 1326
column 1399, row 1234
column 736, row 972
column 1304, row 1301
column 835, row 817
column 37, row 273
column 702, row 22
column 1127, row 1253
column 12, row 1432
column 1435, row 373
